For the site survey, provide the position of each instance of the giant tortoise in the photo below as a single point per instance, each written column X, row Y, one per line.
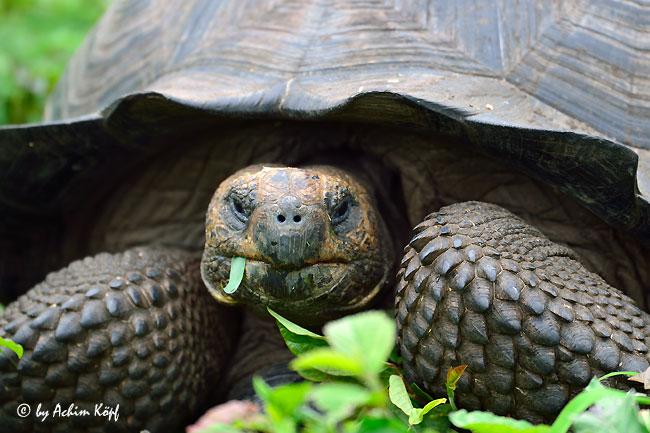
column 328, row 130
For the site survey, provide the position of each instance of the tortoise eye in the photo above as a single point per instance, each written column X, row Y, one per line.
column 341, row 212
column 238, row 209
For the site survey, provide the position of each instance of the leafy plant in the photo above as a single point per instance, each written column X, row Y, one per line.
column 352, row 389
column 13, row 346
column 10, row 344
column 38, row 37
column 453, row 376
column 400, row 398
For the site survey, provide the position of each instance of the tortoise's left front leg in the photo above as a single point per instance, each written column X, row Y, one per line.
column 479, row 286
column 136, row 329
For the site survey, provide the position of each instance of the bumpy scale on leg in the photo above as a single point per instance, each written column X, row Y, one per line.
column 137, row 329
column 479, row 286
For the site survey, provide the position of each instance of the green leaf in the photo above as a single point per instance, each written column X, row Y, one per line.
column 417, row 414
column 382, row 425
column 437, row 419
column 644, row 418
column 420, row 392
column 454, row 374
column 618, row 373
column 611, row 414
column 486, row 422
column 592, row 393
column 299, row 344
column 398, row 395
column 368, row 336
column 400, row 398
column 299, row 341
column 261, row 388
column 12, row 345
column 281, row 403
column 292, row 327
column 287, row 398
column 328, row 361
column 339, row 400
column 312, row 375
column 237, row 268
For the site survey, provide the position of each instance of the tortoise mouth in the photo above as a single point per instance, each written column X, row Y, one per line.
column 264, row 282
column 310, row 294
column 289, row 267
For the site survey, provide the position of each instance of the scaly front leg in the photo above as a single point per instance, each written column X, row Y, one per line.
column 481, row 287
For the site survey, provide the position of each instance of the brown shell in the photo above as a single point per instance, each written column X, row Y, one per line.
column 549, row 88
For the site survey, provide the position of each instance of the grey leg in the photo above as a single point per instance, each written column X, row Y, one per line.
column 137, row 329
column 479, row 286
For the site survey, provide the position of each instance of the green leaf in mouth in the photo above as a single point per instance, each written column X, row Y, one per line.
column 237, row 267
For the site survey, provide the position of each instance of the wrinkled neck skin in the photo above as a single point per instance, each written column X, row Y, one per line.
column 315, row 245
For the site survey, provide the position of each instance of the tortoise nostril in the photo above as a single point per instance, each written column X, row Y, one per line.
column 282, row 218
column 297, row 218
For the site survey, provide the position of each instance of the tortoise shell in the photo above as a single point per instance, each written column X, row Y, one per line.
column 549, row 88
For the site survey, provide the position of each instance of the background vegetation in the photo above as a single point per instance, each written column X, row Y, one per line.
column 352, row 389
column 37, row 38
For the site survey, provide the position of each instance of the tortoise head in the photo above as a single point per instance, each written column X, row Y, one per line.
column 315, row 246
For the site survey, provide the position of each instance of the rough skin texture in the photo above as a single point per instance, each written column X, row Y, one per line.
column 136, row 329
column 316, row 247
column 479, row 286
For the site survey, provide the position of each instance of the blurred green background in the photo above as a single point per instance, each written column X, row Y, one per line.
column 37, row 38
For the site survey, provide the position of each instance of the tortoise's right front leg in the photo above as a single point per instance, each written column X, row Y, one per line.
column 479, row 286
column 137, row 329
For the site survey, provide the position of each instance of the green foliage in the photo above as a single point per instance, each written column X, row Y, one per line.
column 237, row 268
column 400, row 398
column 486, row 422
column 10, row 344
column 350, row 397
column 360, row 392
column 281, row 405
column 598, row 395
column 453, row 376
column 38, row 38
column 300, row 341
column 610, row 414
column 13, row 346
column 339, row 400
column 367, row 338
column 330, row 362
